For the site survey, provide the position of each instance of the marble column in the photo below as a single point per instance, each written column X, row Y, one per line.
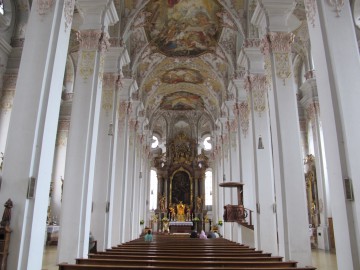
column 42, row 66
column 83, row 133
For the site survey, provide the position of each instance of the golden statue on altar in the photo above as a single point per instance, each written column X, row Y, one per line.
column 180, row 211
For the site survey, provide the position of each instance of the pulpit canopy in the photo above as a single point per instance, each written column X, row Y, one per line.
column 239, row 187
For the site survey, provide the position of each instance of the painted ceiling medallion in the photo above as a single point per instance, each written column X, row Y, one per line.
column 184, row 27
column 182, row 101
column 179, row 75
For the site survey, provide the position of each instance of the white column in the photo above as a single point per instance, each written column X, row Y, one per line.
column 5, row 50
column 6, row 103
column 265, row 229
column 289, row 184
column 83, row 133
column 58, row 170
column 42, row 67
column 336, row 60
column 257, row 87
column 246, row 153
column 102, row 174
column 116, row 201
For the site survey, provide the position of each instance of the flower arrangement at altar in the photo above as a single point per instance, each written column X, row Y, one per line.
column 142, row 222
column 165, row 219
column 196, row 219
column 220, row 222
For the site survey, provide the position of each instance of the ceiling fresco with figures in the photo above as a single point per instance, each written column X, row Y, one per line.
column 183, row 54
column 183, row 27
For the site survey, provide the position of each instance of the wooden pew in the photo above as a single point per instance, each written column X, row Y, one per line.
column 180, row 252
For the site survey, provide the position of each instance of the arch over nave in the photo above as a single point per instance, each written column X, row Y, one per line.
column 85, row 85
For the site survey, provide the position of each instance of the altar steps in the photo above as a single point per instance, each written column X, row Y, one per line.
column 182, row 252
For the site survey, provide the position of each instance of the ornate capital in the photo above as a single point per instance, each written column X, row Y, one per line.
column 252, row 43
column 280, row 42
column 92, row 39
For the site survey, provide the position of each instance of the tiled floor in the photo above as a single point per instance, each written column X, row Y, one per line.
column 49, row 258
column 322, row 260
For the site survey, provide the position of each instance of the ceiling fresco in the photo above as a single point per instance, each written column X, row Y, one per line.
column 183, row 27
column 182, row 53
column 179, row 75
column 182, row 101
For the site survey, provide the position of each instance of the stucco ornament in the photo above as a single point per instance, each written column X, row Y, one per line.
column 44, row 6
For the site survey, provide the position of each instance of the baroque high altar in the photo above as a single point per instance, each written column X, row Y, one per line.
column 181, row 175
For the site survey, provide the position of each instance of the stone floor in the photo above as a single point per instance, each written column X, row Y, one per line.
column 322, row 260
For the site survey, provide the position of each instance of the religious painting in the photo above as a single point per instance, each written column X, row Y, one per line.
column 183, row 27
column 181, row 188
column 182, row 101
column 182, row 75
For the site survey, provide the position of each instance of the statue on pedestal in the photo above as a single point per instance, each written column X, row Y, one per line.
column 180, row 211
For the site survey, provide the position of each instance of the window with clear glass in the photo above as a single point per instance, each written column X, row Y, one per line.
column 208, row 188
column 2, row 7
column 153, row 189
column 155, row 142
column 207, row 143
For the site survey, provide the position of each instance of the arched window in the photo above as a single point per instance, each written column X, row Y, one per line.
column 207, row 143
column 1, row 7
column 208, row 188
column 153, row 190
column 155, row 142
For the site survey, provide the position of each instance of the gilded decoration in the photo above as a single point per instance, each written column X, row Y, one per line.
column 182, row 149
column 182, row 101
column 183, row 28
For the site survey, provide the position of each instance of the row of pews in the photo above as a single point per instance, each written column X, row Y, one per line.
column 181, row 252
